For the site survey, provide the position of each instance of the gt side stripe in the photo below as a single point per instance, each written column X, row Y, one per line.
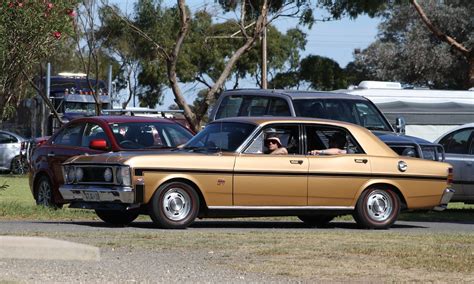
column 139, row 172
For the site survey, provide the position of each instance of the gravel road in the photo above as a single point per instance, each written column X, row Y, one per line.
column 142, row 265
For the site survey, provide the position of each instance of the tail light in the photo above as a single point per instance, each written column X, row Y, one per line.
column 450, row 177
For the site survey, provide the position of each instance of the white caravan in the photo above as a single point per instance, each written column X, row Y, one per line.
column 427, row 113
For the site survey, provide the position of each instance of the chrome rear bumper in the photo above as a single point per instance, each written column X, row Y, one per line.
column 445, row 198
column 94, row 193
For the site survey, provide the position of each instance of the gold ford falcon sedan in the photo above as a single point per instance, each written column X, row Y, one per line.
column 313, row 169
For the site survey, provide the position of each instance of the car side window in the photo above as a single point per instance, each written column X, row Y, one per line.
column 229, row 107
column 6, row 138
column 288, row 138
column 318, row 138
column 457, row 142
column 70, row 136
column 279, row 107
column 93, row 132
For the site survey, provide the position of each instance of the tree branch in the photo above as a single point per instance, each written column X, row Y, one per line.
column 437, row 32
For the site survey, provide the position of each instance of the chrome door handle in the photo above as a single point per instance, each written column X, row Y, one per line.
column 361, row 161
column 469, row 164
column 294, row 162
column 51, row 154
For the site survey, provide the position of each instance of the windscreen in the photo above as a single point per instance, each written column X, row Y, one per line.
column 222, row 136
column 359, row 112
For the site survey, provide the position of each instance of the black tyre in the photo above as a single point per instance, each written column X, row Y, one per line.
column 174, row 205
column 44, row 193
column 117, row 217
column 377, row 208
column 18, row 166
column 320, row 221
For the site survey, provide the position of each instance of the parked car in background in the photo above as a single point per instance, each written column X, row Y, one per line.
column 225, row 171
column 328, row 105
column 459, row 146
column 12, row 155
column 97, row 135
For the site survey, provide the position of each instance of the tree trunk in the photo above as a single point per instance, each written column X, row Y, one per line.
column 471, row 70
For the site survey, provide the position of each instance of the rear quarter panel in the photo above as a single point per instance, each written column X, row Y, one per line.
column 421, row 185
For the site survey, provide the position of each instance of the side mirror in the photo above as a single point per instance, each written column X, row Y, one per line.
column 400, row 125
column 99, row 144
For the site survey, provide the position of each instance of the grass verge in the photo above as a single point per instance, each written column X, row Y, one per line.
column 16, row 203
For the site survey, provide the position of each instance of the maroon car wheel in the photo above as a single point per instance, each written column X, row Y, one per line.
column 44, row 194
column 377, row 208
column 174, row 205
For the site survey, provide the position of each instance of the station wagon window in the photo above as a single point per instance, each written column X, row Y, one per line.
column 287, row 134
column 354, row 111
column 318, row 137
column 222, row 136
column 457, row 142
column 233, row 106
column 70, row 136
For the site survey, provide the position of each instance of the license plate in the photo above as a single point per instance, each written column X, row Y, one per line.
column 90, row 196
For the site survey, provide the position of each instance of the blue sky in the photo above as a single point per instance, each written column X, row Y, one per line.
column 334, row 39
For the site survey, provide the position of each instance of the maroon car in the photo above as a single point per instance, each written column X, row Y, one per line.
column 96, row 135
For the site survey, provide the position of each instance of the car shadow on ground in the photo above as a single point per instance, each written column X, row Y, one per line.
column 239, row 224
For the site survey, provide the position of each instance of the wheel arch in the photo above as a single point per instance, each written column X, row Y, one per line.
column 202, row 200
column 384, row 184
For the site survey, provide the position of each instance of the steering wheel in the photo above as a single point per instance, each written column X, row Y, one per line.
column 128, row 144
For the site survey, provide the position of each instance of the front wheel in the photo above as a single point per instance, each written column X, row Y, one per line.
column 377, row 208
column 174, row 205
column 44, row 194
column 117, row 217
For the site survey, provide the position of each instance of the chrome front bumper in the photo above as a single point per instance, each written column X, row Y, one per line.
column 71, row 192
column 445, row 198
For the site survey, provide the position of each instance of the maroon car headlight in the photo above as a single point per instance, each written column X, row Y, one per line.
column 70, row 174
column 123, row 176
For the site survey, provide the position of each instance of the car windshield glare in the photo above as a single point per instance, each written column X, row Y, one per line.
column 148, row 135
column 222, row 136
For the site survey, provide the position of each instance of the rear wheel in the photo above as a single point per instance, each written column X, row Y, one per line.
column 117, row 217
column 174, row 205
column 44, row 193
column 320, row 221
column 19, row 166
column 377, row 208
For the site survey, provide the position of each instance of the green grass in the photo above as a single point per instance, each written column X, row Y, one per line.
column 16, row 202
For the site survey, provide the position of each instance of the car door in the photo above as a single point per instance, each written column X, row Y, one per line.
column 9, row 148
column 64, row 145
column 262, row 179
column 469, row 170
column 334, row 180
column 456, row 145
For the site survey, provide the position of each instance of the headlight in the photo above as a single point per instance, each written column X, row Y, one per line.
column 70, row 176
column 108, row 175
column 123, row 176
column 79, row 174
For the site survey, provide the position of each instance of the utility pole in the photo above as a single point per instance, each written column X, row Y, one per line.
column 264, row 51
